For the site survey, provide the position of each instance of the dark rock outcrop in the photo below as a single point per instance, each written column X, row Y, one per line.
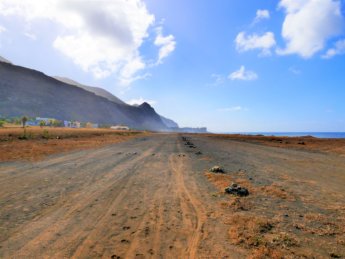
column 29, row 92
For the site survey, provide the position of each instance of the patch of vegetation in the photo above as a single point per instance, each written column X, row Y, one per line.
column 26, row 135
column 42, row 123
column 45, row 134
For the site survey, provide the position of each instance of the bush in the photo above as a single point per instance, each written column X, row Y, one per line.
column 42, row 123
column 2, row 124
column 45, row 134
column 25, row 135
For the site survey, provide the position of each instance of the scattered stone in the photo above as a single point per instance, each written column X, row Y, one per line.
column 237, row 190
column 217, row 169
column 334, row 255
column 198, row 153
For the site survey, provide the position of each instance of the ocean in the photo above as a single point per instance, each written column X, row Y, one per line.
column 296, row 134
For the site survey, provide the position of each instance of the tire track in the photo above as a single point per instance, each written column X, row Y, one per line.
column 42, row 231
column 196, row 210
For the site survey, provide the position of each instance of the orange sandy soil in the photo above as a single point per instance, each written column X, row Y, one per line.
column 153, row 197
column 45, row 141
column 275, row 222
column 302, row 143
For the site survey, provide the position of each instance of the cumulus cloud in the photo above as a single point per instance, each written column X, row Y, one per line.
column 243, row 74
column 141, row 100
column 261, row 15
column 102, row 37
column 251, row 42
column 338, row 49
column 167, row 44
column 309, row 24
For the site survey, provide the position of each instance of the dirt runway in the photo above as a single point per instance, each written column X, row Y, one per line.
column 149, row 197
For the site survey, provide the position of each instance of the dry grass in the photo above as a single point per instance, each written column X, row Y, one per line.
column 221, row 181
column 260, row 235
column 320, row 225
column 305, row 143
column 266, row 252
column 249, row 230
column 237, row 204
column 40, row 142
column 277, row 191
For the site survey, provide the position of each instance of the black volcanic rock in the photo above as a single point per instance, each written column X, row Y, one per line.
column 28, row 92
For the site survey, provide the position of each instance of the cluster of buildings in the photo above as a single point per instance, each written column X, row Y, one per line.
column 38, row 121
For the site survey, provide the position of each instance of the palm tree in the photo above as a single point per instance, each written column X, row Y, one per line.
column 24, row 120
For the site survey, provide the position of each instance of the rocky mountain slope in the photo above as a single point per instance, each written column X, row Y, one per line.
column 96, row 90
column 2, row 59
column 28, row 92
column 101, row 92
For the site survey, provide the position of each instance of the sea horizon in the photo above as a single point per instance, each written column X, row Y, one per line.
column 293, row 134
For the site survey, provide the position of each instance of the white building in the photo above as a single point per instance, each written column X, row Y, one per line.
column 119, row 127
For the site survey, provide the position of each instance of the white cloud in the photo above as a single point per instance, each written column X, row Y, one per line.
column 261, row 15
column 243, row 74
column 167, row 44
column 31, row 36
column 217, row 79
column 232, row 109
column 2, row 29
column 295, row 71
column 309, row 24
column 251, row 42
column 140, row 101
column 339, row 48
column 102, row 37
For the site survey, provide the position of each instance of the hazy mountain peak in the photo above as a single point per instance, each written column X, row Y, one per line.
column 145, row 105
column 2, row 59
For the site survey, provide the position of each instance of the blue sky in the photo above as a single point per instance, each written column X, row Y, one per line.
column 227, row 65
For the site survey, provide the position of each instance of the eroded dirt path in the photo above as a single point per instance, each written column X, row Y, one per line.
column 151, row 198
column 137, row 199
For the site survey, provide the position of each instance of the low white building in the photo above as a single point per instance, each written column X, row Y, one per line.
column 119, row 127
column 71, row 124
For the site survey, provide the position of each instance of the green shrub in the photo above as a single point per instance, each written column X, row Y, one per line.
column 45, row 134
column 25, row 135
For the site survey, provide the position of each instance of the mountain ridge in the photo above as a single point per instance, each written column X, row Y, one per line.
column 101, row 92
column 25, row 91
column 2, row 59
column 93, row 89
